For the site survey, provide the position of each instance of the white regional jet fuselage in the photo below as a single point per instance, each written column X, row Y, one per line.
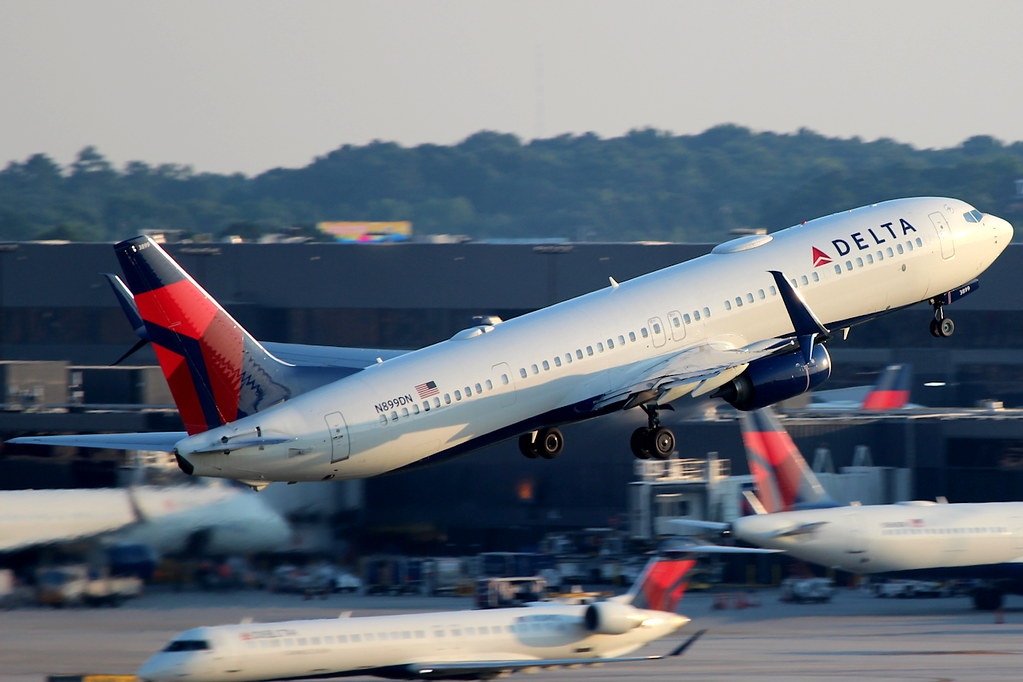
column 909, row 536
column 484, row 642
column 555, row 365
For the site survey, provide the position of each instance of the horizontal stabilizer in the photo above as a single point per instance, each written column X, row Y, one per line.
column 160, row 441
column 696, row 527
column 802, row 529
column 238, row 444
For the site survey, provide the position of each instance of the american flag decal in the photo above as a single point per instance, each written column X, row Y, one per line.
column 427, row 390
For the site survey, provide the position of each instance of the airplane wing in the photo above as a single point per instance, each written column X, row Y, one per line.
column 445, row 670
column 697, row 370
column 158, row 441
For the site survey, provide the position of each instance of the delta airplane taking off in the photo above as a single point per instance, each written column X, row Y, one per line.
column 982, row 540
column 464, row 645
column 745, row 323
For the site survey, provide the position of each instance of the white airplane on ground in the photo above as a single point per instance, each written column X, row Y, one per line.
column 218, row 518
column 478, row 644
column 891, row 391
column 909, row 539
column 744, row 323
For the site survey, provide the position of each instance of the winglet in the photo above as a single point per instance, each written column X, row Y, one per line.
column 808, row 328
column 681, row 649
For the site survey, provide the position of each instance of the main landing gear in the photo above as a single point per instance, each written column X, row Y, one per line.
column 941, row 326
column 546, row 442
column 654, row 440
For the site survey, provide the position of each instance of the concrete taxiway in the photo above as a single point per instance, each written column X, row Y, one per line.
column 855, row 637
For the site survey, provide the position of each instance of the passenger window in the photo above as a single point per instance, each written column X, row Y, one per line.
column 696, row 314
column 749, row 297
column 600, row 346
column 728, row 305
column 773, row 290
column 458, row 394
column 706, row 313
column 891, row 254
column 568, row 358
column 838, row 269
column 880, row 256
column 815, row 276
column 546, row 365
column 761, row 294
column 657, row 327
column 806, row 280
column 621, row 339
column 909, row 245
column 426, row 405
column 468, row 391
column 557, row 361
column 447, row 396
column 687, row 318
column 919, row 242
column 738, row 301
column 415, row 408
column 436, row 402
column 589, row 350
column 579, row 353
column 644, row 333
column 610, row 344
column 522, row 371
column 794, row 283
column 383, row 420
column 479, row 389
column 848, row 265
column 505, row 379
column 536, row 370
column 404, row 412
column 632, row 336
column 394, row 416
column 870, row 259
column 900, row 249
column 859, row 262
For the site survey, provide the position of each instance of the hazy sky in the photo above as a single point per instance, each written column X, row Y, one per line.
column 248, row 85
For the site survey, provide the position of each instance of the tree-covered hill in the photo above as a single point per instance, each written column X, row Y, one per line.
column 646, row 185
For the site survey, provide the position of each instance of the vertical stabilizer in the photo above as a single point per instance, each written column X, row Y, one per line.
column 663, row 581
column 216, row 371
column 781, row 475
column 891, row 390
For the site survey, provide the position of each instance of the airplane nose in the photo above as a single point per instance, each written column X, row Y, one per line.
column 158, row 669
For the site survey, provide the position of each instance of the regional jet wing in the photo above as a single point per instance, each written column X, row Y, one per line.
column 462, row 669
column 158, row 441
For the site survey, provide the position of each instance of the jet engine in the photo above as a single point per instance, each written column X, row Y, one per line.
column 612, row 618
column 770, row 380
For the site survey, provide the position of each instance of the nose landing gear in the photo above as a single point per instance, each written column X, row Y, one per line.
column 941, row 327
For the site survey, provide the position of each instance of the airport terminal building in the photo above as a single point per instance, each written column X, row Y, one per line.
column 57, row 311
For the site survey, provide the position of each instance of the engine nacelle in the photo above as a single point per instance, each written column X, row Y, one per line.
column 612, row 618
column 772, row 380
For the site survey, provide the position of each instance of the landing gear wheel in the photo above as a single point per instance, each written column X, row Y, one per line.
column 943, row 328
column 549, row 442
column 640, row 443
column 661, row 442
column 527, row 445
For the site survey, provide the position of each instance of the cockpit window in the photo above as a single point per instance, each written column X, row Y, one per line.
column 974, row 216
column 188, row 645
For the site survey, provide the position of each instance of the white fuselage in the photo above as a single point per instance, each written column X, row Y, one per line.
column 296, row 649
column 497, row 382
column 887, row 538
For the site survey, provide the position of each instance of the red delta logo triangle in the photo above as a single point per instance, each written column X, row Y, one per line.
column 819, row 257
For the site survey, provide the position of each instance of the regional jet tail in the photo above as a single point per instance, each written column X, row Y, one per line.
column 466, row 645
column 891, row 391
column 907, row 539
column 745, row 323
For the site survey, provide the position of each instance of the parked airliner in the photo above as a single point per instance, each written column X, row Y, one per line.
column 981, row 540
column 215, row 517
column 479, row 644
column 745, row 323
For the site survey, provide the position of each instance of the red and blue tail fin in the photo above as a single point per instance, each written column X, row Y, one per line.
column 891, row 390
column 216, row 371
column 782, row 478
column 663, row 582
